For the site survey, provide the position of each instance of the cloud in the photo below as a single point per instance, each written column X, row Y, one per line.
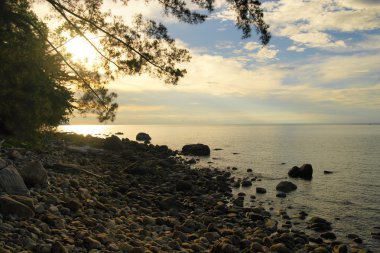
column 296, row 48
column 250, row 46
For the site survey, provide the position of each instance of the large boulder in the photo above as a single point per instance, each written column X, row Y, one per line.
column 196, row 149
column 12, row 207
column 34, row 174
column 286, row 186
column 304, row 172
column 11, row 181
column 113, row 143
column 143, row 137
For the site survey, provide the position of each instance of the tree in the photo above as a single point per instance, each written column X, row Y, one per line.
column 32, row 81
column 143, row 46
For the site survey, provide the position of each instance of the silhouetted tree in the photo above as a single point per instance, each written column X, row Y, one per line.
column 142, row 46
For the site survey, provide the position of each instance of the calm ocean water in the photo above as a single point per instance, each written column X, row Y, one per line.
column 350, row 197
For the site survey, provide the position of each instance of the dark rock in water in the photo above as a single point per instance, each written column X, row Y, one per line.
column 196, row 149
column 34, row 174
column 191, row 161
column 11, row 181
column 286, row 186
column 239, row 201
column 281, row 195
column 143, row 137
column 327, row 172
column 304, row 172
column 328, row 235
column 119, row 133
column 11, row 207
column 319, row 224
column 249, row 170
column 236, row 184
column 246, row 183
column 261, row 190
column 113, row 143
column 218, row 149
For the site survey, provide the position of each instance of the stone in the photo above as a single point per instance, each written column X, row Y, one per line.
column 261, row 190
column 319, row 224
column 15, row 155
column 327, row 172
column 11, row 207
column 91, row 243
column 196, row 149
column 113, row 143
column 246, row 183
column 184, row 186
column 223, row 247
column 286, row 186
column 66, row 168
column 342, row 248
column 143, row 137
column 34, row 174
column 58, row 248
column 279, row 248
column 281, row 195
column 53, row 220
column 73, row 204
column 328, row 236
column 11, row 181
column 304, row 172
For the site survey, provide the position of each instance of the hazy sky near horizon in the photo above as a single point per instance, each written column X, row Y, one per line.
column 321, row 66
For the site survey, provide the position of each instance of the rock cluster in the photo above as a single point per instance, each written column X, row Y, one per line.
column 141, row 198
column 304, row 172
column 196, row 149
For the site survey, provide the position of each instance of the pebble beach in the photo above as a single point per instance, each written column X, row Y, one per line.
column 86, row 194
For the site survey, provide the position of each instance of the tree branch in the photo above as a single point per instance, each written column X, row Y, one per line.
column 52, row 2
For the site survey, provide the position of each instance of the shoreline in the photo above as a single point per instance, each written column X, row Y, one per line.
column 141, row 198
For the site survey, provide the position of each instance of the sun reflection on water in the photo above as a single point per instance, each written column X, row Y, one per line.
column 84, row 129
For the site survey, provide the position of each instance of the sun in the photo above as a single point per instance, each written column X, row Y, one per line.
column 81, row 50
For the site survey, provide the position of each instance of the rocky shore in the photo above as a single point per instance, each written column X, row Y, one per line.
column 85, row 194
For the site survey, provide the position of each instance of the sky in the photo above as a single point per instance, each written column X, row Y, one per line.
column 321, row 66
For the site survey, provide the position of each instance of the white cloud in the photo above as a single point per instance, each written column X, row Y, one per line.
column 265, row 54
column 250, row 46
column 295, row 48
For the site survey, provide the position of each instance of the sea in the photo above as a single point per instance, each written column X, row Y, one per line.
column 349, row 197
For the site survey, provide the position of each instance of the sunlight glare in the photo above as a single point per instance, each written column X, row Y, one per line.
column 81, row 50
column 83, row 129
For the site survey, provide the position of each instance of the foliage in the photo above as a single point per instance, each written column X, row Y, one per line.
column 32, row 91
column 38, row 72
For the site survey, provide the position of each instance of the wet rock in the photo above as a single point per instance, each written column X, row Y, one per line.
column 328, row 235
column 11, row 181
column 246, row 183
column 304, row 172
column 11, row 207
column 342, row 248
column 319, row 224
column 327, row 172
column 113, row 143
column 281, row 195
column 143, row 137
column 261, row 190
column 196, row 149
column 286, row 186
column 34, row 174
